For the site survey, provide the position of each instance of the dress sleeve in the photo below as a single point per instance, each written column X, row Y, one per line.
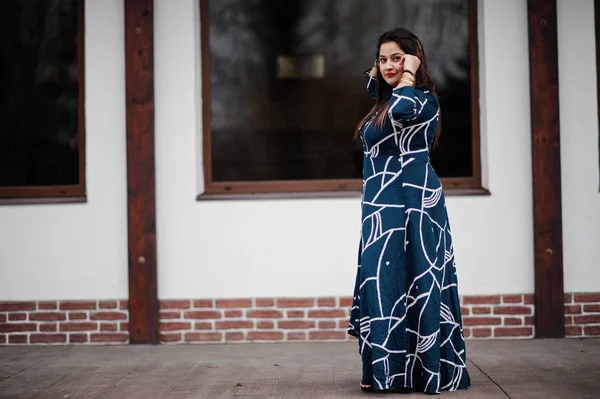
column 408, row 103
column 371, row 84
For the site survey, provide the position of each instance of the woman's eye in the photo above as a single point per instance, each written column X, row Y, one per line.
column 397, row 58
column 382, row 60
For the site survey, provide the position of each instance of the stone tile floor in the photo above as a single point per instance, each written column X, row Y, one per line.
column 528, row 369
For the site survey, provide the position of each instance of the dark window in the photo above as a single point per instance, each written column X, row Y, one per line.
column 41, row 115
column 283, row 89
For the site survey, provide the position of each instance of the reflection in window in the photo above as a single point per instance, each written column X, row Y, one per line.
column 39, row 101
column 287, row 89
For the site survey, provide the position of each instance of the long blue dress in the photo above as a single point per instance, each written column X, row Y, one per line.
column 406, row 311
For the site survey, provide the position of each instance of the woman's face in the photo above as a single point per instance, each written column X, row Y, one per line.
column 391, row 63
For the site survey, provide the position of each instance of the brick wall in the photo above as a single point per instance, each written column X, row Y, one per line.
column 582, row 314
column 64, row 322
column 260, row 319
column 265, row 319
column 498, row 316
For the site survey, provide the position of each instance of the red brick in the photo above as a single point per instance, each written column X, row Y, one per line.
column 591, row 308
column 124, row 326
column 588, row 319
column 481, row 300
column 265, row 325
column 573, row 331
column 588, row 297
column 589, row 331
column 16, row 306
column 466, row 332
column 170, row 314
column 328, row 314
column 77, row 316
column 202, row 314
column 528, row 299
column 265, row 335
column 513, row 331
column 48, row 316
column 77, row 305
column 529, row 320
column 265, row 302
column 17, row 339
column 17, row 316
column 520, row 310
column 203, row 303
column 2, row 339
column 108, row 326
column 107, row 304
column 175, row 304
column 295, row 302
column 568, row 320
column 175, row 325
column 465, row 311
column 170, row 337
column 203, row 325
column 234, row 336
column 327, row 324
column 482, row 321
column 109, row 337
column 573, row 309
column 3, row 317
column 512, row 298
column 482, row 310
column 295, row 324
column 48, row 327
column 47, row 338
column 481, row 332
column 203, row 336
column 17, row 327
column 83, row 326
column 264, row 314
column 108, row 316
column 343, row 324
column 78, row 338
column 295, row 314
column 233, row 313
column 47, row 305
column 326, row 335
column 124, row 304
column 296, row 336
column 568, row 298
column 345, row 302
column 326, row 302
column 230, row 325
column 513, row 321
column 234, row 303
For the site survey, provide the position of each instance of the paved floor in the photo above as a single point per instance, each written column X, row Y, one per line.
column 528, row 369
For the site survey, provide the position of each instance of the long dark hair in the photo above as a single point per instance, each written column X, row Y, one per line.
column 410, row 44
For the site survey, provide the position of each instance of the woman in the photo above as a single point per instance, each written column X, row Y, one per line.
column 406, row 310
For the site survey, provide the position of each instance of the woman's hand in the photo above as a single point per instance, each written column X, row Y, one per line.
column 411, row 63
column 373, row 72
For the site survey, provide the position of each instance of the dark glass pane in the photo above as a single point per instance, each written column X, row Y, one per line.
column 39, row 100
column 287, row 88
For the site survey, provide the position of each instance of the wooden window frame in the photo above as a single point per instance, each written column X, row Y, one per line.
column 333, row 187
column 69, row 193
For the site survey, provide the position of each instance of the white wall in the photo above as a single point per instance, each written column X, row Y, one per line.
column 305, row 247
column 579, row 144
column 79, row 251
